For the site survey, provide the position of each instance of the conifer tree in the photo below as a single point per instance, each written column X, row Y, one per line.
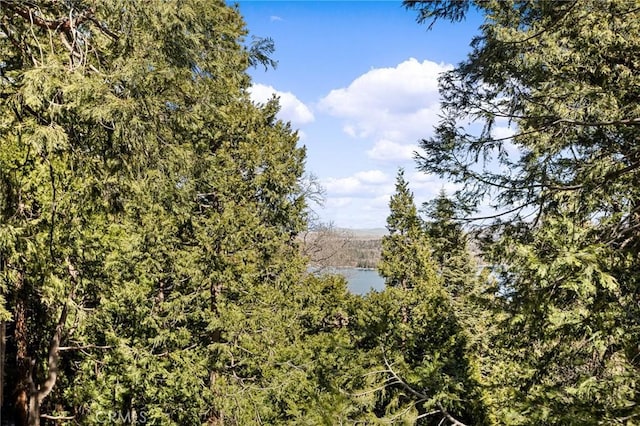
column 450, row 247
column 149, row 213
column 406, row 253
column 472, row 290
column 422, row 374
column 566, row 186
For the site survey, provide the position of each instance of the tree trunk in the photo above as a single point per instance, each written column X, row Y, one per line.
column 23, row 363
column 3, row 347
column 29, row 396
column 34, row 411
column 39, row 393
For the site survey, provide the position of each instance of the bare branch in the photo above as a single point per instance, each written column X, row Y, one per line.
column 624, row 122
column 62, row 24
column 449, row 417
column 49, row 417
column 80, row 348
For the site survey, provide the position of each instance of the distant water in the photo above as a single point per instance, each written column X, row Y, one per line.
column 361, row 281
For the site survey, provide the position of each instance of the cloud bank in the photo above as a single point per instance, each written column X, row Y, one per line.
column 393, row 106
column 291, row 108
column 361, row 200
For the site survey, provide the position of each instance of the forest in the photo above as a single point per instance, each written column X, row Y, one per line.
column 326, row 247
column 151, row 213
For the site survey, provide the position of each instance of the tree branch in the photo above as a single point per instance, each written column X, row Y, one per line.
column 54, row 357
column 624, row 122
column 449, row 417
column 49, row 417
column 419, row 394
column 80, row 348
column 54, row 348
column 62, row 24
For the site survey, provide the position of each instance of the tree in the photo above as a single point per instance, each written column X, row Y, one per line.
column 406, row 253
column 450, row 245
column 472, row 290
column 149, row 213
column 419, row 371
column 566, row 188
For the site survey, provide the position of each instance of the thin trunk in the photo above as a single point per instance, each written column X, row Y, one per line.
column 41, row 392
column 34, row 412
column 217, row 417
column 23, row 362
column 37, row 393
column 3, row 348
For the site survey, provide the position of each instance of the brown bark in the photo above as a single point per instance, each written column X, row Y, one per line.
column 29, row 395
column 3, row 347
column 23, row 363
column 41, row 392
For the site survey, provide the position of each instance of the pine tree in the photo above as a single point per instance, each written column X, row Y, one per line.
column 450, row 246
column 566, row 186
column 149, row 214
column 472, row 290
column 422, row 373
column 406, row 257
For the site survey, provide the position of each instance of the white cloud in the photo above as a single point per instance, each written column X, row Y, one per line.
column 356, row 213
column 291, row 108
column 399, row 90
column 359, row 185
column 362, row 199
column 388, row 111
column 386, row 150
column 339, row 202
column 400, row 104
column 503, row 132
column 274, row 18
column 372, row 177
column 343, row 186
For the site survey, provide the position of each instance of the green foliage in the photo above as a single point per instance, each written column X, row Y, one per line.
column 573, row 367
column 144, row 193
column 566, row 245
column 417, row 367
column 406, row 254
column 149, row 214
column 450, row 248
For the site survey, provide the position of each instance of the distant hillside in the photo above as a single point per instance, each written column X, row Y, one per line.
column 336, row 247
column 365, row 233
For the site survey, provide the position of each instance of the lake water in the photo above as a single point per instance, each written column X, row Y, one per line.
column 361, row 281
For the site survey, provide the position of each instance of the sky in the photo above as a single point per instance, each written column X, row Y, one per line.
column 358, row 79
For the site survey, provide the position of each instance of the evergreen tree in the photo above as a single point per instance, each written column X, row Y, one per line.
column 566, row 184
column 422, row 373
column 149, row 214
column 450, row 246
column 472, row 290
column 406, row 252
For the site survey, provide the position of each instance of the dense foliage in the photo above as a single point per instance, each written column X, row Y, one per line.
column 563, row 76
column 149, row 213
column 150, row 220
column 423, row 373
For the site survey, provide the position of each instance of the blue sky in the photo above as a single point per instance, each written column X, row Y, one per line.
column 359, row 81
